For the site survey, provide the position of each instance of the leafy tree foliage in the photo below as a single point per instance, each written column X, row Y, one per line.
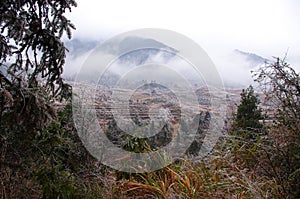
column 281, row 86
column 248, row 113
column 32, row 56
column 30, row 41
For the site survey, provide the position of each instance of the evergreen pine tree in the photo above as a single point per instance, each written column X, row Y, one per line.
column 248, row 115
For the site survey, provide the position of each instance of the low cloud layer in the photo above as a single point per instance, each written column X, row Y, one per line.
column 234, row 66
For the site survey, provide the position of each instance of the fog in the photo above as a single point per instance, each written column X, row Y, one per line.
column 234, row 68
column 266, row 28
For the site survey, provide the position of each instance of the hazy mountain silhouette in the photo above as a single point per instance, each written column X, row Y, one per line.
column 252, row 58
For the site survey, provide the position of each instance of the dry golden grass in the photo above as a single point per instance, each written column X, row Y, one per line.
column 216, row 177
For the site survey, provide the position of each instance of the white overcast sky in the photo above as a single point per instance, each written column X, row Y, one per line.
column 264, row 27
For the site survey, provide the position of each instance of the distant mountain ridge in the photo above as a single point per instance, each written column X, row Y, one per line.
column 129, row 52
column 146, row 51
column 77, row 47
column 254, row 59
